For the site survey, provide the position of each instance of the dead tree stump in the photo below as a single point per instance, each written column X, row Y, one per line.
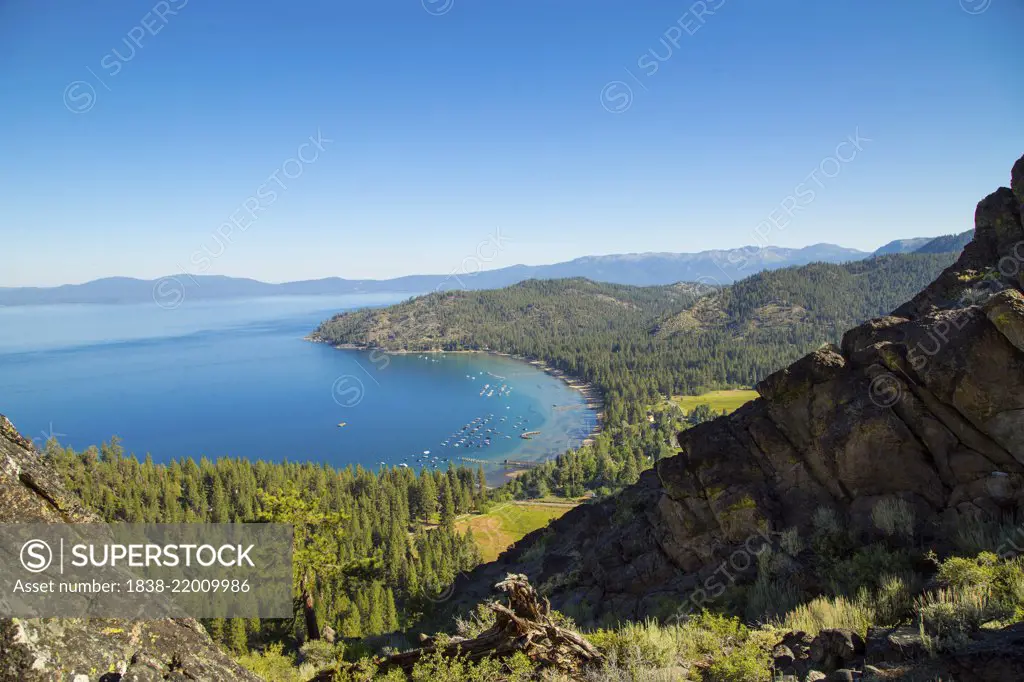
column 523, row 625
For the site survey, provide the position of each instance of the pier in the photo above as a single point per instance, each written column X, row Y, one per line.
column 507, row 463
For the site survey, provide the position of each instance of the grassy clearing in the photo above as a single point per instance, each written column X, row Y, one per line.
column 716, row 400
column 508, row 523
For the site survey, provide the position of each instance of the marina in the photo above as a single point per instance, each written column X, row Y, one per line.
column 488, row 438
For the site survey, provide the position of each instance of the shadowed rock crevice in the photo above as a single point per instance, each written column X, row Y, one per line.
column 925, row 405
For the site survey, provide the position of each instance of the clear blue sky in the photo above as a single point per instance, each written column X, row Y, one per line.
column 125, row 151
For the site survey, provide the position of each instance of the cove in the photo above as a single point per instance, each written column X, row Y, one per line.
column 235, row 378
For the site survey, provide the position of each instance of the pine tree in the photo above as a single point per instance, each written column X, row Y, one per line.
column 390, row 611
column 428, row 495
column 352, row 623
column 447, row 506
column 394, row 565
column 237, row 639
column 219, row 512
column 375, row 619
column 216, row 629
column 481, row 482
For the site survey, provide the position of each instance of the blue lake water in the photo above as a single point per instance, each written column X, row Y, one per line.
column 235, row 378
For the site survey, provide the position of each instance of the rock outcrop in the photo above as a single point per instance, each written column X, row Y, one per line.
column 79, row 650
column 925, row 406
column 899, row 654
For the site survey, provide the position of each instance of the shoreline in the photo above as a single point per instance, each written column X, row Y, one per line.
column 592, row 399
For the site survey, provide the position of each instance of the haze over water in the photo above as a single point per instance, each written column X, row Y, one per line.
column 235, row 378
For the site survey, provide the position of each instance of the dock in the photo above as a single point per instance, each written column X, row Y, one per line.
column 507, row 463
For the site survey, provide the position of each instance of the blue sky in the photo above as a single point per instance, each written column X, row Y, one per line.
column 135, row 132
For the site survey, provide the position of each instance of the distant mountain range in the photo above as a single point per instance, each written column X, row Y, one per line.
column 640, row 269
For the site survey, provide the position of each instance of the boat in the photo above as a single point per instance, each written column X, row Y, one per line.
column 426, row 452
column 340, row 424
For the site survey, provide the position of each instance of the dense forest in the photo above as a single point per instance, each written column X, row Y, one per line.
column 396, row 541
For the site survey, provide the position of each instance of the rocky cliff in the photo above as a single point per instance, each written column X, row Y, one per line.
column 88, row 650
column 925, row 405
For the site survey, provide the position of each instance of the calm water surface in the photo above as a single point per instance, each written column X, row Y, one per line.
column 235, row 378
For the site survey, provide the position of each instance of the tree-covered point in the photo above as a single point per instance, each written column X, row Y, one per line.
column 637, row 344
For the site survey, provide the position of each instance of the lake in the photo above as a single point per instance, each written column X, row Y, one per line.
column 236, row 378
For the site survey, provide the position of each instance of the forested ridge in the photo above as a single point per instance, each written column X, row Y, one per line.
column 947, row 243
column 636, row 344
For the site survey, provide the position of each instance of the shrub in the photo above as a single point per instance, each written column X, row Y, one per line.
column 274, row 666
column 479, row 619
column 828, row 537
column 825, row 521
column 894, row 600
column 1001, row 582
column 973, row 533
column 837, row 612
column 536, row 550
column 894, row 517
column 320, row 653
column 726, row 649
column 708, row 633
column 645, row 644
column 723, row 648
column 366, row 670
column 613, row 672
column 740, row 664
column 951, row 615
column 961, row 572
column 866, row 566
column 744, row 660
column 790, row 542
column 438, row 668
column 769, row 599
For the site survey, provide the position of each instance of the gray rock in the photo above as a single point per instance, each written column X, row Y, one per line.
column 832, row 649
column 843, row 675
column 894, row 645
column 783, row 656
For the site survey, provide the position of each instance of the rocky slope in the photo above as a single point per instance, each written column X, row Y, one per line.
column 86, row 650
column 925, row 405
